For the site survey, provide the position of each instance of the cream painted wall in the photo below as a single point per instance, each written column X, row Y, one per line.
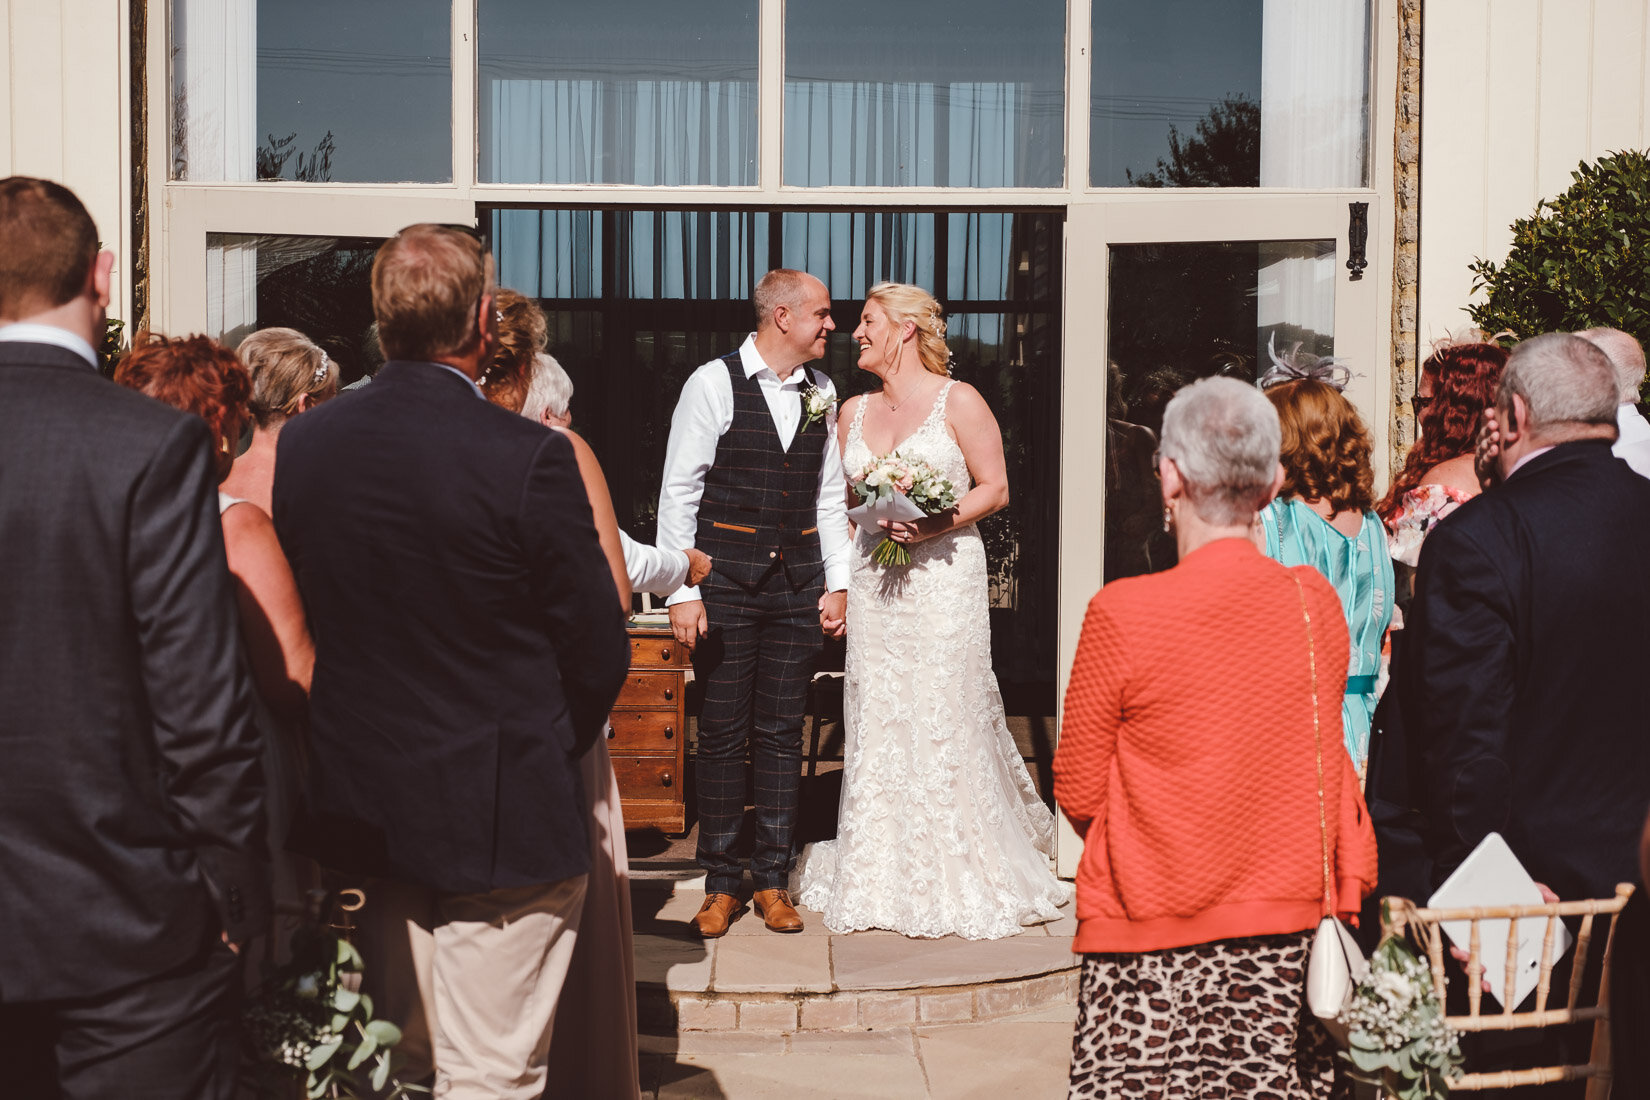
column 64, row 111
column 1513, row 94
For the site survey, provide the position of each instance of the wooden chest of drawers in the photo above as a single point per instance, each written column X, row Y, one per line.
column 649, row 731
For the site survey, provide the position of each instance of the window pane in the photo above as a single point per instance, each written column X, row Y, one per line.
column 959, row 93
column 1229, row 93
column 312, row 90
column 653, row 92
column 320, row 286
column 1180, row 312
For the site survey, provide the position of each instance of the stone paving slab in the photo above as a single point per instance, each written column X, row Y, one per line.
column 1028, row 1055
column 793, row 1077
column 864, row 962
column 773, row 963
column 678, row 964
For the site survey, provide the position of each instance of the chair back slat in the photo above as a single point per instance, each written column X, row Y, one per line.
column 1584, row 943
column 1544, row 980
column 1425, row 927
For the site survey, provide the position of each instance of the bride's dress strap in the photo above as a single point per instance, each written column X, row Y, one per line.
column 936, row 415
column 859, row 417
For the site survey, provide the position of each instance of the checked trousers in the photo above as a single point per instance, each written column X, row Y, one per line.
column 755, row 663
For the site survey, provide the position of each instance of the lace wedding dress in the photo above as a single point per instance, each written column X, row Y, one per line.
column 940, row 830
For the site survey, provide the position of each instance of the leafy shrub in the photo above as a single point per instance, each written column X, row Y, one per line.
column 1581, row 260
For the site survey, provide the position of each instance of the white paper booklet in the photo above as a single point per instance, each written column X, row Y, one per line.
column 896, row 507
column 1492, row 876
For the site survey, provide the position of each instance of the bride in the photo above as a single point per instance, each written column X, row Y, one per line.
column 940, row 830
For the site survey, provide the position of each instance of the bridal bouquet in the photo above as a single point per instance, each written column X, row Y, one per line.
column 900, row 489
column 1399, row 1038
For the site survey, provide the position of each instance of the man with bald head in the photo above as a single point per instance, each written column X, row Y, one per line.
column 468, row 646
column 1627, row 356
column 755, row 481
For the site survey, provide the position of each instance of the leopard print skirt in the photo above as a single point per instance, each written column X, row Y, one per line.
column 1216, row 1021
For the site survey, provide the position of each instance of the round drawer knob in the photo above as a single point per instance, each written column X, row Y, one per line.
column 669, row 733
column 664, row 655
column 669, row 694
column 611, row 733
column 665, row 779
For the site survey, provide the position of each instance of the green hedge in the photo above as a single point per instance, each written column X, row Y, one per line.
column 1581, row 260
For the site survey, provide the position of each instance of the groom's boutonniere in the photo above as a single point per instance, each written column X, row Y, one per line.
column 815, row 404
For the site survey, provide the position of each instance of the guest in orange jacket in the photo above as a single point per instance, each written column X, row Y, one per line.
column 1201, row 760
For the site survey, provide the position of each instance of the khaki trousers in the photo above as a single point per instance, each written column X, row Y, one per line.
column 473, row 980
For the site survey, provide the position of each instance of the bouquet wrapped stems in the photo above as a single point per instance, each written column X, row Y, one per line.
column 893, row 487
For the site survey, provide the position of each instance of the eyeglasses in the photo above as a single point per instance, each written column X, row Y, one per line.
column 1157, row 464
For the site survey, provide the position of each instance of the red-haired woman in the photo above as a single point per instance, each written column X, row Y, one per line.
column 197, row 375
column 1458, row 382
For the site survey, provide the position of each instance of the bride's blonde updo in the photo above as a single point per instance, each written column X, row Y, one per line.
column 903, row 302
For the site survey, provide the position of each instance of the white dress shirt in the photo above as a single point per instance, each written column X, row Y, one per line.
column 1633, row 445
column 703, row 414
column 653, row 568
column 25, row 333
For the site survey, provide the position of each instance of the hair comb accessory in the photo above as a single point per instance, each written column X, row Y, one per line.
column 1467, row 336
column 321, row 371
column 1295, row 365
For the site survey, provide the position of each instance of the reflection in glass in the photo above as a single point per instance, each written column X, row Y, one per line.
column 1229, row 93
column 320, row 286
column 638, row 299
column 312, row 90
column 1179, row 312
column 928, row 93
column 650, row 92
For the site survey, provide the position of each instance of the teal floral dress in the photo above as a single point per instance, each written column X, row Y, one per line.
column 1360, row 568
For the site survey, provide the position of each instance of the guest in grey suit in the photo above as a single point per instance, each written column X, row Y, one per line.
column 131, row 798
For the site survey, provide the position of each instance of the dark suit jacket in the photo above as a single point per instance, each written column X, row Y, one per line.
column 129, row 762
column 1520, row 680
column 469, row 641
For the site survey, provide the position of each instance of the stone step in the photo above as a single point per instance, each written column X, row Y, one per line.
column 755, row 991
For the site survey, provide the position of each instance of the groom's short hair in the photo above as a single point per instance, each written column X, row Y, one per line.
column 783, row 286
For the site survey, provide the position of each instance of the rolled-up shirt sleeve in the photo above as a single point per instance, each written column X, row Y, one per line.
column 703, row 413
column 834, row 540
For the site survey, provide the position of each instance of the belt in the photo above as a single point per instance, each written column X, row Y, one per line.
column 1360, row 685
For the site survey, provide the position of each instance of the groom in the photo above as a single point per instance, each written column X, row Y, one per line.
column 756, row 482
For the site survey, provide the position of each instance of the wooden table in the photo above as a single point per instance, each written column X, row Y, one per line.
column 649, row 732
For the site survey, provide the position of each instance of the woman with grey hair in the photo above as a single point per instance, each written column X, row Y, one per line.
column 1200, row 759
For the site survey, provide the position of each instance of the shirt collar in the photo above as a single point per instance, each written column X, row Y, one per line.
column 468, row 381
column 1632, row 426
column 753, row 364
column 1525, row 461
column 25, row 332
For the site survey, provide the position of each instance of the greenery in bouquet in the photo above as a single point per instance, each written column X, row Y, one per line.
column 1399, row 1039
column 309, row 1024
column 919, row 482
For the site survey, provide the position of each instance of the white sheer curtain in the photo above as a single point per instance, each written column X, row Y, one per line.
column 217, row 102
column 1314, row 101
column 909, row 134
column 663, row 133
column 216, row 128
column 1314, row 127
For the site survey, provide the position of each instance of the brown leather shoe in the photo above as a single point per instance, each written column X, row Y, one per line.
column 776, row 910
column 719, row 911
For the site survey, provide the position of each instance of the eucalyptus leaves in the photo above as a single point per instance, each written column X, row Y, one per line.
column 309, row 1021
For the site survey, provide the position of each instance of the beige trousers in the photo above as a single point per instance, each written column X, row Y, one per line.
column 473, row 980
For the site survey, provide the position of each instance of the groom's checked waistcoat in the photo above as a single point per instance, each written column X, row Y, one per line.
column 761, row 502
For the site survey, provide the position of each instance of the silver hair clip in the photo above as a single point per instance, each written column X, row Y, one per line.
column 321, row 371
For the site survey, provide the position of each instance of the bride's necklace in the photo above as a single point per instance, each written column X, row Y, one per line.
column 894, row 406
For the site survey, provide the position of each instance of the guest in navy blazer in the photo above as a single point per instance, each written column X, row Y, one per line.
column 469, row 644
